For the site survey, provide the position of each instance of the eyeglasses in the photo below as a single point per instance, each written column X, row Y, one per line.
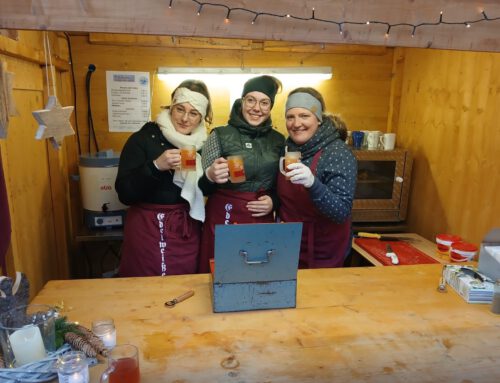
column 264, row 104
column 192, row 115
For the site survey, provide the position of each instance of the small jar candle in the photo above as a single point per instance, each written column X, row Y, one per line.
column 105, row 329
column 72, row 367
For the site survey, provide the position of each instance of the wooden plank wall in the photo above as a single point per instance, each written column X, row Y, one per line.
column 359, row 90
column 36, row 174
column 448, row 118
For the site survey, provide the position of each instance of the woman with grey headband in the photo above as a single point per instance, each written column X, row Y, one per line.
column 319, row 190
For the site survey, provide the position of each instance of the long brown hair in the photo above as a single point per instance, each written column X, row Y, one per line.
column 336, row 120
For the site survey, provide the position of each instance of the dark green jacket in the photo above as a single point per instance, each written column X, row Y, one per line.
column 260, row 147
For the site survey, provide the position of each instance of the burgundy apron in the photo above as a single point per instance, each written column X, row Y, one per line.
column 226, row 207
column 159, row 240
column 324, row 242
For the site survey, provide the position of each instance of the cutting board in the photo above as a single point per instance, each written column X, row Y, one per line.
column 407, row 254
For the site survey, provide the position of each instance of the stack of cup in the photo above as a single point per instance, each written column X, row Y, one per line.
column 444, row 242
column 462, row 251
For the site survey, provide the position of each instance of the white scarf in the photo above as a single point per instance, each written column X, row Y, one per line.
column 187, row 181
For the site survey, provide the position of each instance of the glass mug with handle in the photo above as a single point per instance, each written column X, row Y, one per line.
column 123, row 365
column 188, row 158
column 290, row 158
column 236, row 169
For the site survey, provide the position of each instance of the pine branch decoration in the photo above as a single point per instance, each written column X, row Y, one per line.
column 62, row 326
column 79, row 337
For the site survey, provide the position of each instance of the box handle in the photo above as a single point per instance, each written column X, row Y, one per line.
column 269, row 253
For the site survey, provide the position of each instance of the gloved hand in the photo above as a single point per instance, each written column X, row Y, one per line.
column 300, row 174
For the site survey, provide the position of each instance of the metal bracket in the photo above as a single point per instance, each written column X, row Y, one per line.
column 269, row 253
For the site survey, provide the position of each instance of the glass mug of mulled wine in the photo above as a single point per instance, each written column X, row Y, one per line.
column 236, row 169
column 188, row 158
column 290, row 158
column 123, row 365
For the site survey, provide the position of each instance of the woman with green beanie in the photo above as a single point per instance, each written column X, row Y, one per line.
column 249, row 134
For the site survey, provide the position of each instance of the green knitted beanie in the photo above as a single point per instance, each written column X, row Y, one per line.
column 263, row 84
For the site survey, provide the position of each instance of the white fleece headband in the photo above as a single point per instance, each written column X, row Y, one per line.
column 306, row 101
column 197, row 100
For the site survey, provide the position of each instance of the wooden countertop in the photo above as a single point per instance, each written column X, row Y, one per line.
column 371, row 324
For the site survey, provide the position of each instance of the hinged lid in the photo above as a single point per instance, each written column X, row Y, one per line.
column 257, row 252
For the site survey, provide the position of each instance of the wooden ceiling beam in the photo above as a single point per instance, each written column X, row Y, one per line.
column 153, row 17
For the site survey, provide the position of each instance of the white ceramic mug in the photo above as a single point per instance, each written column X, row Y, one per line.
column 373, row 140
column 388, row 141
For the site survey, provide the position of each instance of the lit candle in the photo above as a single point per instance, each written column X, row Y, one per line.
column 107, row 333
column 27, row 345
column 72, row 368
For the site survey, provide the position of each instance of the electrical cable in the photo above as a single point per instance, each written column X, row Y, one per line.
column 90, row 120
column 68, row 42
column 341, row 24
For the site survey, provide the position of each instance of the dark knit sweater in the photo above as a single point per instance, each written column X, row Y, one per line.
column 260, row 147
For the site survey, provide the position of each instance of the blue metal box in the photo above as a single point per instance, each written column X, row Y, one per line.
column 256, row 266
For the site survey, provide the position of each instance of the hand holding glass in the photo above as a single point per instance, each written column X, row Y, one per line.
column 290, row 158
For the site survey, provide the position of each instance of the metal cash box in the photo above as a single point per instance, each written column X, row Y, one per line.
column 256, row 266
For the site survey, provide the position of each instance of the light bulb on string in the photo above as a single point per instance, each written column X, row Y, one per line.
column 340, row 23
column 170, row 4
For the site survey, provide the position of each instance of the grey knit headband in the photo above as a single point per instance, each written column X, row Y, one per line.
column 306, row 101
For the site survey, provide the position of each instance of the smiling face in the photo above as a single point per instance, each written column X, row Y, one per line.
column 301, row 124
column 185, row 118
column 256, row 108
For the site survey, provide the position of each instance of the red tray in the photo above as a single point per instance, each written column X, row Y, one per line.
column 407, row 254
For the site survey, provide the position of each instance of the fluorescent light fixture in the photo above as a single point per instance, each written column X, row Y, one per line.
column 285, row 74
column 232, row 78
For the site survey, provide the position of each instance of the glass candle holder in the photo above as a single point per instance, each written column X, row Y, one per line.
column 105, row 329
column 72, row 367
column 27, row 333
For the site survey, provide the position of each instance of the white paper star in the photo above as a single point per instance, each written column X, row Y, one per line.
column 54, row 122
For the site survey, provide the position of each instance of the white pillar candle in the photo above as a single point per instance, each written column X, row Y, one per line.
column 27, row 345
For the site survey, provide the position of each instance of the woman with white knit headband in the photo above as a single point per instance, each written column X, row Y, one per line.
column 163, row 224
column 319, row 190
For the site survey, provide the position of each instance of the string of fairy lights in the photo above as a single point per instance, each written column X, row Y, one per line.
column 339, row 24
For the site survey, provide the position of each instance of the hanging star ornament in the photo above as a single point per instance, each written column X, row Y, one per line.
column 54, row 122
